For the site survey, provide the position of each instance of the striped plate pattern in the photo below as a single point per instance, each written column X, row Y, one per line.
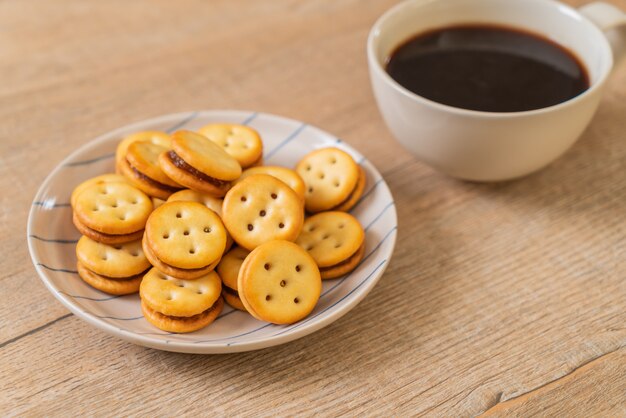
column 51, row 240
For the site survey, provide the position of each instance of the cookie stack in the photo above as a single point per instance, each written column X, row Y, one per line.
column 194, row 219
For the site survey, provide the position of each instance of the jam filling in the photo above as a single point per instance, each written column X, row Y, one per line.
column 152, row 181
column 346, row 261
column 230, row 291
column 182, row 164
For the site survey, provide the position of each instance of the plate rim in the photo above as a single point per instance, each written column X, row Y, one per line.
column 191, row 346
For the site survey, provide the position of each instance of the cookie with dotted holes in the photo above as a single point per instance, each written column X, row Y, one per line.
column 335, row 240
column 141, row 168
column 185, row 274
column 115, row 261
column 240, row 142
column 104, row 178
column 279, row 282
column 112, row 286
column 287, row 176
column 186, row 235
column 199, row 164
column 177, row 305
column 331, row 178
column 112, row 213
column 262, row 208
column 154, row 137
column 213, row 203
column 228, row 270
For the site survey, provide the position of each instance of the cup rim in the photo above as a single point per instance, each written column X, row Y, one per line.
column 378, row 68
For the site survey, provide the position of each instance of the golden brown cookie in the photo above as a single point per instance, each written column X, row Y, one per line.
column 213, row 203
column 335, row 240
column 185, row 274
column 241, row 142
column 333, row 180
column 111, row 212
column 154, row 137
column 228, row 270
column 104, row 178
column 113, row 286
column 141, row 168
column 156, row 202
column 115, row 261
column 177, row 305
column 199, row 164
column 279, row 282
column 185, row 235
column 287, row 176
column 262, row 208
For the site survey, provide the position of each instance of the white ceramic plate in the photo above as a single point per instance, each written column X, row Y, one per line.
column 52, row 238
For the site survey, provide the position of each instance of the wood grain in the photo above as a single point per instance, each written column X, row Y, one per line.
column 508, row 299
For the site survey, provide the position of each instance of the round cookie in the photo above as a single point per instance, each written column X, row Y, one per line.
column 199, row 164
column 185, row 274
column 180, row 305
column 228, row 270
column 279, row 282
column 186, row 235
column 104, row 178
column 262, row 208
column 240, row 142
column 333, row 239
column 141, row 168
column 111, row 209
column 213, row 203
column 114, row 261
column 108, row 285
column 105, row 238
column 331, row 177
column 287, row 176
column 182, row 324
column 154, row 137
column 355, row 195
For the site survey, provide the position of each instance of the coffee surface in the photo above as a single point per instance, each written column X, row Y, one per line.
column 488, row 68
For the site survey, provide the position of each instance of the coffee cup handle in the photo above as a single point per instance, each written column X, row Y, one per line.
column 612, row 21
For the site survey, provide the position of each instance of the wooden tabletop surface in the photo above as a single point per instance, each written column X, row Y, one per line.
column 504, row 298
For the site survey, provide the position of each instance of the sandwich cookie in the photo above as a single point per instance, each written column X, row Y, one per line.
column 104, row 178
column 199, row 164
column 213, row 203
column 176, row 305
column 287, row 176
column 228, row 270
column 279, row 282
column 262, row 208
column 154, row 137
column 184, row 239
column 114, row 269
column 334, row 181
column 111, row 213
column 141, row 168
column 240, row 142
column 335, row 240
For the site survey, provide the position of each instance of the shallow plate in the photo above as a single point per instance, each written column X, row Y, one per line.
column 52, row 237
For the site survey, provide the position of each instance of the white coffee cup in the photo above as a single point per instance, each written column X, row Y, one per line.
column 490, row 146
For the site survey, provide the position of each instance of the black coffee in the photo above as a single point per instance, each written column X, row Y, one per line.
column 488, row 68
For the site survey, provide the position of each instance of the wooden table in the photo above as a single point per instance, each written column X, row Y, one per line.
column 504, row 298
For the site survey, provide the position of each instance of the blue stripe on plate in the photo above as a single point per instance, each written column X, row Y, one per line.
column 51, row 204
column 93, row 160
column 285, row 141
column 55, row 241
column 250, row 118
column 88, row 298
column 390, row 204
column 182, row 123
column 59, row 270
column 118, row 319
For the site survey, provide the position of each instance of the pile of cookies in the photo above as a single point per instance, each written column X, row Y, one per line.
column 194, row 218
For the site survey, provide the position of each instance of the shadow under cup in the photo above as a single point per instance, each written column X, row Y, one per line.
column 486, row 146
